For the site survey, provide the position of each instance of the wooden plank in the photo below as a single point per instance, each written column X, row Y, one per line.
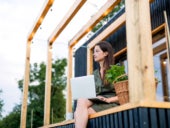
column 48, row 86
column 149, row 104
column 66, row 20
column 25, row 87
column 69, row 76
column 103, row 11
column 89, row 61
column 140, row 54
column 159, row 48
column 159, row 28
column 59, row 124
column 120, row 52
column 46, row 7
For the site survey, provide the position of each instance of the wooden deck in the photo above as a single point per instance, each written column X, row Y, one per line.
column 146, row 114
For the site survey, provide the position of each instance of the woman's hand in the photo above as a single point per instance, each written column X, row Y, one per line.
column 109, row 100
column 104, row 99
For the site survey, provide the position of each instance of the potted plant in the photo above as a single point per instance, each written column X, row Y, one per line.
column 116, row 76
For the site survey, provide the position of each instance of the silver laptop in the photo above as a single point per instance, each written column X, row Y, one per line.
column 83, row 87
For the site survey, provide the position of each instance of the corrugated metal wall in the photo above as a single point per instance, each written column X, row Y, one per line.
column 133, row 118
column 118, row 39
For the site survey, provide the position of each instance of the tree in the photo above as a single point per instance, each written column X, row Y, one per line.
column 12, row 120
column 1, row 105
column 36, row 96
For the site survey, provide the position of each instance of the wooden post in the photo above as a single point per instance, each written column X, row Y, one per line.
column 32, row 117
column 140, row 54
column 48, row 86
column 69, row 75
column 25, row 87
column 89, row 61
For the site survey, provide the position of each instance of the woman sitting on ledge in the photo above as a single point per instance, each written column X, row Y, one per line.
column 103, row 54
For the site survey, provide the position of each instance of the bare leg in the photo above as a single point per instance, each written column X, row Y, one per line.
column 82, row 111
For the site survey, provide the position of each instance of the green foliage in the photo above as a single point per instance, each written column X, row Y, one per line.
column 115, row 74
column 1, row 105
column 12, row 120
column 36, row 96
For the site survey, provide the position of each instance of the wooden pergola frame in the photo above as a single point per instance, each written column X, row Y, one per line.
column 138, row 26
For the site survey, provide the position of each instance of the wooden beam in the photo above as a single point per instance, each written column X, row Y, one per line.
column 25, row 87
column 104, row 10
column 48, row 86
column 69, row 76
column 120, row 52
column 159, row 28
column 67, row 18
column 159, row 48
column 89, row 61
column 140, row 53
column 46, row 7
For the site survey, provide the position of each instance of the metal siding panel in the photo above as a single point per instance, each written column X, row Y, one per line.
column 90, row 123
column 93, row 123
column 162, row 118
column 153, row 118
column 143, row 118
column 111, row 121
column 120, row 121
column 168, row 117
column 136, row 118
column 130, row 114
column 116, row 120
column 80, row 61
column 103, row 122
column 97, row 123
column 107, row 122
column 125, row 119
column 100, row 122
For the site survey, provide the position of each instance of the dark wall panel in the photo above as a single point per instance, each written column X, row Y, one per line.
column 134, row 118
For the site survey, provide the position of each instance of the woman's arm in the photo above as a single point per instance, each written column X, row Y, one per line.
column 112, row 99
column 109, row 100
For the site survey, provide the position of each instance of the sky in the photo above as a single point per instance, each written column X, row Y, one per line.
column 17, row 19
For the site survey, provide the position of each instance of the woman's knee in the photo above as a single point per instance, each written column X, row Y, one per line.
column 82, row 102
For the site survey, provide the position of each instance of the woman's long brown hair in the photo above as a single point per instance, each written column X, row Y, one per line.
column 109, row 59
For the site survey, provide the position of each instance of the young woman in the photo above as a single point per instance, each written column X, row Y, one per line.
column 103, row 54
